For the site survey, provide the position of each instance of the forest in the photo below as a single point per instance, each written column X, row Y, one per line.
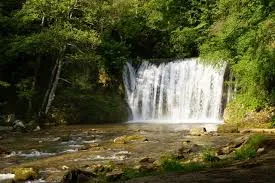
column 62, row 61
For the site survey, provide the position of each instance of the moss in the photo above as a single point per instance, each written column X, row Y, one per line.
column 228, row 128
column 23, row 174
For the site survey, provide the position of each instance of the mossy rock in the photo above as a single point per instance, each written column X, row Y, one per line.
column 23, row 174
column 228, row 128
column 128, row 138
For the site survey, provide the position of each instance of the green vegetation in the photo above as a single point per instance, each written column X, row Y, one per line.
column 249, row 150
column 75, row 50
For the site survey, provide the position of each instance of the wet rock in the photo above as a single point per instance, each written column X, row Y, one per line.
column 147, row 160
column 128, row 138
column 197, row 131
column 115, row 175
column 77, row 175
column 120, row 140
column 24, row 174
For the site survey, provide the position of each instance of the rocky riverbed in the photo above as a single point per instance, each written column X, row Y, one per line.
column 51, row 155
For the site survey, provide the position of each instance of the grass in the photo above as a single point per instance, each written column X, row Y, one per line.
column 249, row 150
column 208, row 156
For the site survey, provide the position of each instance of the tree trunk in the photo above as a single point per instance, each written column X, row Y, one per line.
column 50, row 93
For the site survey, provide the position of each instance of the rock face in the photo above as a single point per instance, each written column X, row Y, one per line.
column 24, row 174
column 197, row 131
column 77, row 176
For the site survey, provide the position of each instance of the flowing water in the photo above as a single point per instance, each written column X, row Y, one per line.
column 183, row 91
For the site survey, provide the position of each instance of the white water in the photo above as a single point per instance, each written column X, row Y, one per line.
column 183, row 91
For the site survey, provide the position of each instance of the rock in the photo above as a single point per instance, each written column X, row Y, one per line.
column 228, row 128
column 115, row 175
column 7, row 178
column 77, row 175
column 128, row 138
column 3, row 151
column 145, row 168
column 24, row 174
column 120, row 140
column 260, row 151
column 37, row 129
column 230, row 147
column 64, row 167
column 18, row 124
column 97, row 168
column 197, row 131
column 1, row 137
column 156, row 164
column 225, row 150
column 147, row 160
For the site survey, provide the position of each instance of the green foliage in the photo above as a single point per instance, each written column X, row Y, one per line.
column 209, row 156
column 249, row 150
column 243, row 35
column 170, row 163
column 4, row 84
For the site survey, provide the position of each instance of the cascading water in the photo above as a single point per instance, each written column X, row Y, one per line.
column 183, row 91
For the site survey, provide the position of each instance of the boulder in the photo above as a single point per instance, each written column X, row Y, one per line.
column 24, row 174
column 198, row 131
column 77, row 175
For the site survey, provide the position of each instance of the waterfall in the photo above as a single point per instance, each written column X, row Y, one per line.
column 183, row 91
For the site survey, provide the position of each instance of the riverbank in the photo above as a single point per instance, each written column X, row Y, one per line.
column 113, row 150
